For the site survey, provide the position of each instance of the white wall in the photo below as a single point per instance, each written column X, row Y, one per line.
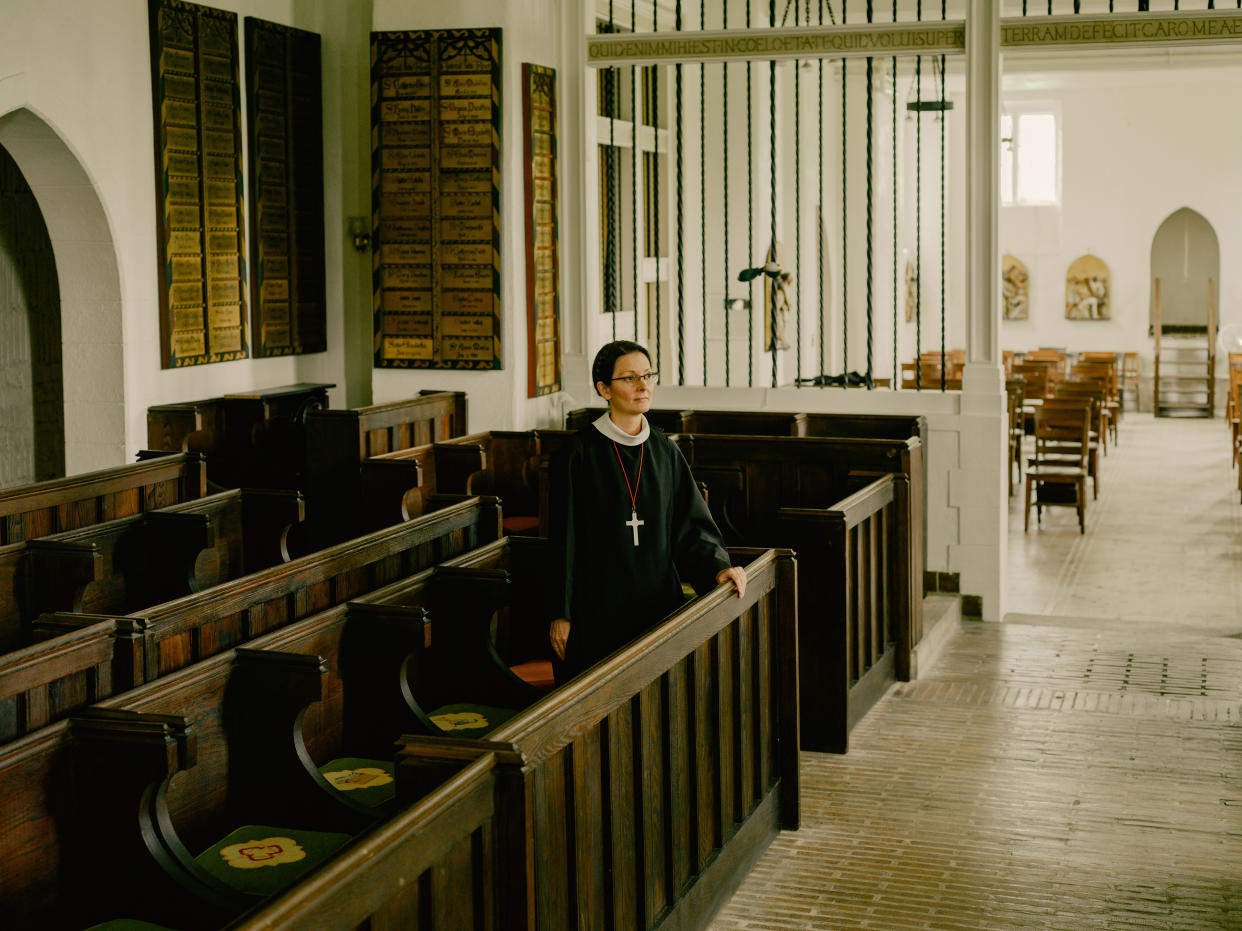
column 84, row 70
column 1137, row 145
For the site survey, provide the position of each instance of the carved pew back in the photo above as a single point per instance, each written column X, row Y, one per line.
column 35, row 510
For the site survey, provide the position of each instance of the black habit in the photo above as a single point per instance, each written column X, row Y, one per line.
column 610, row 589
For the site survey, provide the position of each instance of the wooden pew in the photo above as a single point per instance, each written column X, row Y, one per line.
column 640, row 793
column 31, row 511
column 435, row 865
column 337, row 441
column 121, row 566
column 259, row 723
column 126, row 564
column 185, row 630
column 252, row 439
column 787, row 491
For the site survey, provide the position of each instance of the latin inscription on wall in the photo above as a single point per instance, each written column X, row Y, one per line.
column 436, row 198
column 284, row 95
column 543, row 325
column 201, row 240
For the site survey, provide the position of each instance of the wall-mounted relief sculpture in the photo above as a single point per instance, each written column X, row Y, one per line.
column 1015, row 288
column 1087, row 290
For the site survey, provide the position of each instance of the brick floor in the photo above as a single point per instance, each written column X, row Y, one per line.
column 1059, row 772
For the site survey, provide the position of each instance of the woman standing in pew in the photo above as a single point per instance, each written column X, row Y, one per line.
column 616, row 571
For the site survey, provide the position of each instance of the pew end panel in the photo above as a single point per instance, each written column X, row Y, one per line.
column 254, row 529
column 395, row 486
column 859, row 605
column 120, row 565
column 338, row 441
column 36, row 879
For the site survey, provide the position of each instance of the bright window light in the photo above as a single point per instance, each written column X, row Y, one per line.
column 1029, row 149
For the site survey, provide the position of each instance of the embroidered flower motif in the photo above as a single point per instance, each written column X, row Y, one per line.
column 270, row 851
column 367, row 777
column 459, row 721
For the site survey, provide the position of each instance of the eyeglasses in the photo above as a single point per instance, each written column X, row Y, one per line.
column 650, row 378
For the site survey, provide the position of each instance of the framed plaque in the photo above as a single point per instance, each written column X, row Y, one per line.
column 284, row 94
column 198, row 170
column 543, row 317
column 436, row 198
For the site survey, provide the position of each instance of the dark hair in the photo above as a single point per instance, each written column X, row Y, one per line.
column 606, row 360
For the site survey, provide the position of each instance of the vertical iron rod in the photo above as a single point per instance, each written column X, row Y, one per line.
column 724, row 130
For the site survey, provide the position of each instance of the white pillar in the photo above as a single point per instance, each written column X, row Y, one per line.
column 979, row 487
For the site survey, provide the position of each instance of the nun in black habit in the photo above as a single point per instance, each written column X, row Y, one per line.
column 628, row 524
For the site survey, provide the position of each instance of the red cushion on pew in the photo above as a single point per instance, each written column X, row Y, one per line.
column 519, row 524
column 537, row 672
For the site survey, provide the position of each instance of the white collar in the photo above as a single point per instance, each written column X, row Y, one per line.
column 605, row 426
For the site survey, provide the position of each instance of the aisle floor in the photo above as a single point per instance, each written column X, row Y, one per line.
column 1078, row 766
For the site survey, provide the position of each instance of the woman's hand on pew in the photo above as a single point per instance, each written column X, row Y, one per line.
column 558, row 633
column 734, row 574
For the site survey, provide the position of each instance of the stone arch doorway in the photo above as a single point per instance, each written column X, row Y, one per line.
column 88, row 291
column 31, row 377
column 1185, row 256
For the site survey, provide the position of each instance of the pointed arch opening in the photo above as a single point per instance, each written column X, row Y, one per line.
column 1185, row 257
column 88, row 291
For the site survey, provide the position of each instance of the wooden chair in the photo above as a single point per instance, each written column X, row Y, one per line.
column 1015, row 389
column 1058, row 430
column 1091, row 403
column 1054, row 357
column 1102, row 424
column 1105, row 375
column 1233, row 417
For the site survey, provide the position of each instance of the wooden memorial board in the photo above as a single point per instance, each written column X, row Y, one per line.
column 285, row 103
column 199, row 196
column 435, row 134
column 543, row 312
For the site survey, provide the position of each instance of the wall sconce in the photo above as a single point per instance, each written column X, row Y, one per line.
column 360, row 233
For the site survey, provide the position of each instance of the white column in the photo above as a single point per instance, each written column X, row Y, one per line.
column 983, row 79
column 979, row 487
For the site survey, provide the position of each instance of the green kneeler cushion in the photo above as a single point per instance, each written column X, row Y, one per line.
column 468, row 720
column 128, row 924
column 261, row 860
column 369, row 782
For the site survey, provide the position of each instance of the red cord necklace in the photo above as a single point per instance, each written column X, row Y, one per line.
column 633, row 523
